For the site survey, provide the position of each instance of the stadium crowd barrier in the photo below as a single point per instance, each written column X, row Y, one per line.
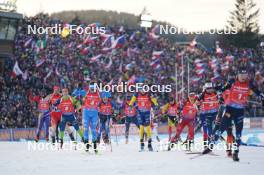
column 16, row 134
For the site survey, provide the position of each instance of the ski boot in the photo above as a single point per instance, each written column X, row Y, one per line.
column 47, row 138
column 106, row 140
column 235, row 156
column 142, row 145
column 172, row 143
column 229, row 153
column 229, row 150
column 95, row 147
column 61, row 143
column 126, row 140
column 188, row 144
column 150, row 148
column 208, row 148
column 53, row 140
column 72, row 137
column 229, row 143
column 36, row 138
column 87, row 145
column 205, row 143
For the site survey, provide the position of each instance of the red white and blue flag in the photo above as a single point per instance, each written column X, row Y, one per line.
column 119, row 42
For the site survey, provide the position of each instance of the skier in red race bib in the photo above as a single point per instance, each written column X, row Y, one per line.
column 67, row 104
column 55, row 113
column 240, row 89
column 130, row 113
column 208, row 104
column 188, row 116
column 44, row 116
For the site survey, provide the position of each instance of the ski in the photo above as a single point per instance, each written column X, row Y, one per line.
column 251, row 144
column 199, row 154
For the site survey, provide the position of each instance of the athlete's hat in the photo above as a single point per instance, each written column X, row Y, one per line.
column 242, row 71
column 208, row 85
column 55, row 88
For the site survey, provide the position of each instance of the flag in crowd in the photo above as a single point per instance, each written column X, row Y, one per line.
column 119, row 42
column 16, row 70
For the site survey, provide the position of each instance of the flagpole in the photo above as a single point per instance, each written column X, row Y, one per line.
column 176, row 81
column 188, row 78
column 182, row 89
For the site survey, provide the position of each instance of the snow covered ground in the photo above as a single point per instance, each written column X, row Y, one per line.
column 15, row 158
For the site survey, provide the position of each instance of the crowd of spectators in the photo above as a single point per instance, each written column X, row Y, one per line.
column 48, row 60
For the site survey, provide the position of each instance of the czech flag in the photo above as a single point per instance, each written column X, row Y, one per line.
column 119, row 42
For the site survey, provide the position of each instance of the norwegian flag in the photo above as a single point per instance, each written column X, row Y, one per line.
column 119, row 42
column 156, row 54
column 16, row 70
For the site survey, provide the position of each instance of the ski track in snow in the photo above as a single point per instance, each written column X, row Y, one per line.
column 125, row 159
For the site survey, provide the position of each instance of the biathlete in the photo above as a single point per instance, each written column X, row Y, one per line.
column 144, row 103
column 55, row 113
column 171, row 109
column 67, row 105
column 188, row 115
column 208, row 105
column 105, row 114
column 130, row 113
column 90, row 110
column 240, row 90
column 44, row 116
